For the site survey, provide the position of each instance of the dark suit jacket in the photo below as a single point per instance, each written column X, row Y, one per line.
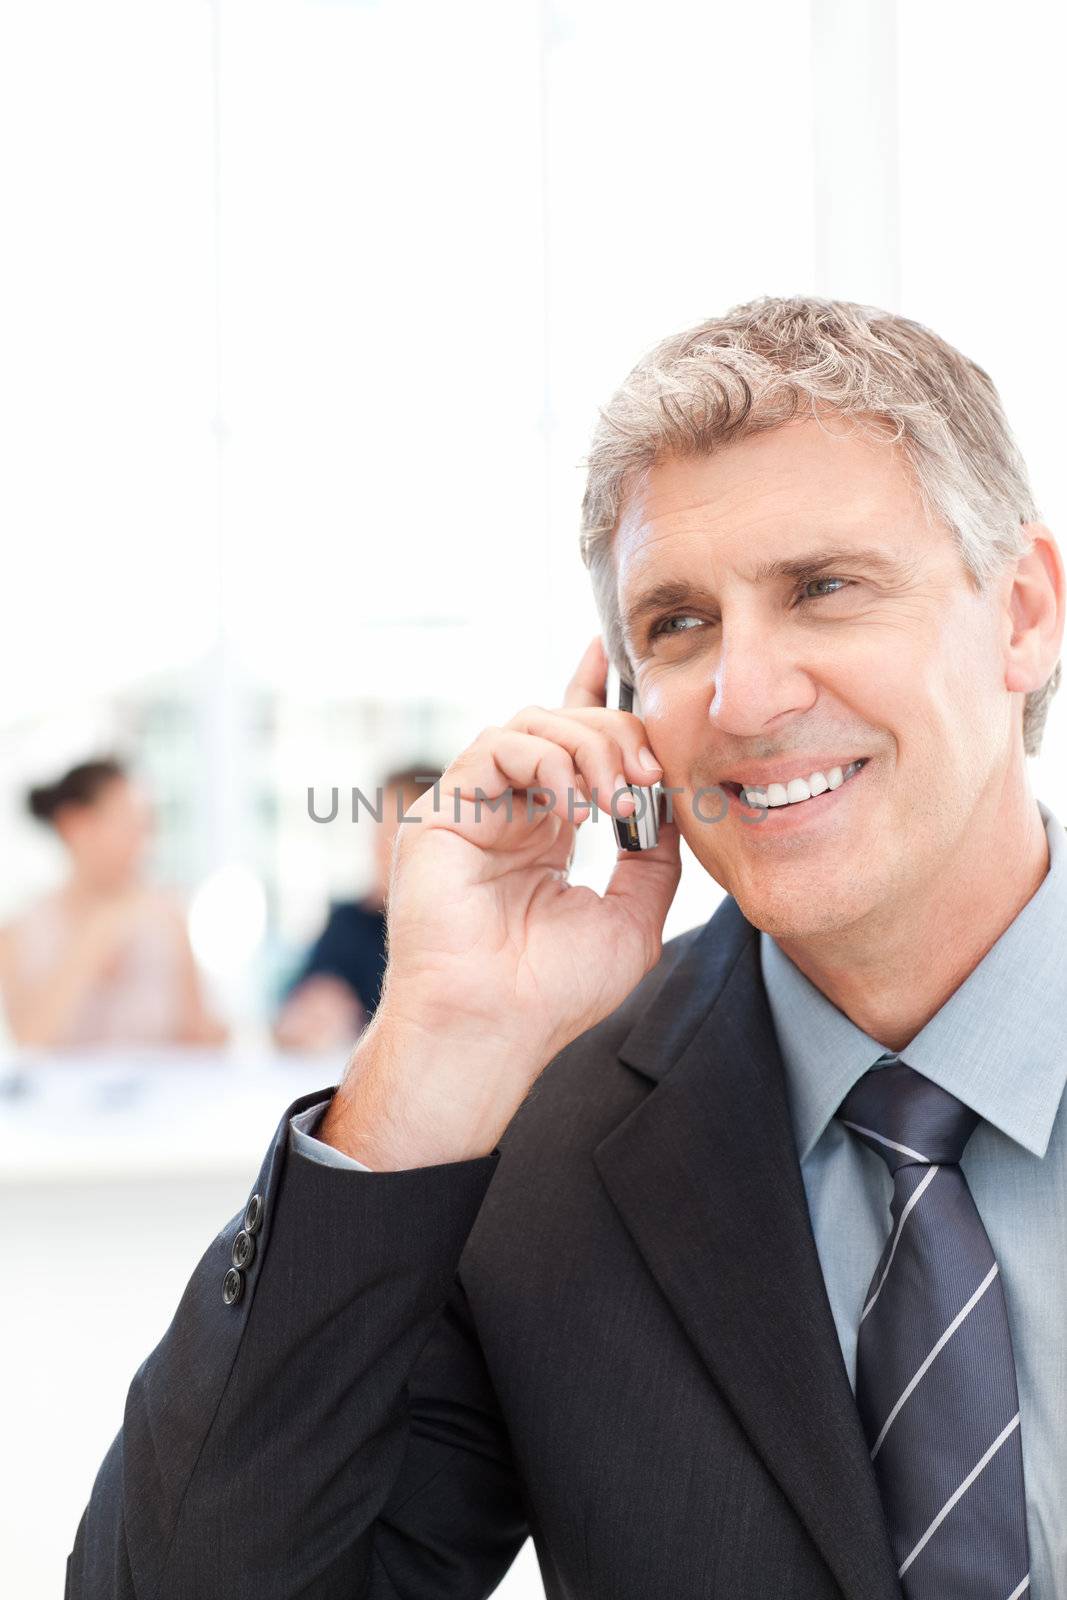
column 612, row 1334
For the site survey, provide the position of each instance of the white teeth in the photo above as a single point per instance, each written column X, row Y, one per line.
column 797, row 789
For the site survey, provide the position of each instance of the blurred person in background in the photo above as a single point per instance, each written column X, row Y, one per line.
column 104, row 958
column 335, row 993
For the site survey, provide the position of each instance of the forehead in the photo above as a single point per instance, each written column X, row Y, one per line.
column 117, row 792
column 771, row 493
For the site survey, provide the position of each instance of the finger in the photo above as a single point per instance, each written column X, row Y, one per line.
column 588, row 687
column 606, row 747
column 644, row 884
column 506, row 765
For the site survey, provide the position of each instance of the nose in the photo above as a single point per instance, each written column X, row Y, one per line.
column 759, row 678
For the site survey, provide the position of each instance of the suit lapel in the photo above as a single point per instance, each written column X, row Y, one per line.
column 706, row 1179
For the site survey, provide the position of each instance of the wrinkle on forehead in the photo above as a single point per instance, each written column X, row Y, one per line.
column 856, row 484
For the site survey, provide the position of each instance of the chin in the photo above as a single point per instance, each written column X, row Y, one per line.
column 796, row 915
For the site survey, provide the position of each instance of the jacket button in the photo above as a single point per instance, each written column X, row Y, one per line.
column 232, row 1286
column 253, row 1214
column 244, row 1248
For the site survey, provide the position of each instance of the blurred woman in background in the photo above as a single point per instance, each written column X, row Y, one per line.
column 105, row 958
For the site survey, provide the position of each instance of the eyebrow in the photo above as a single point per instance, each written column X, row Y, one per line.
column 672, row 592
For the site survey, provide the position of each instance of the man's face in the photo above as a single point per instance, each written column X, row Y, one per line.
column 762, row 676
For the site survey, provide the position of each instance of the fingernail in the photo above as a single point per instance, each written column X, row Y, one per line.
column 647, row 759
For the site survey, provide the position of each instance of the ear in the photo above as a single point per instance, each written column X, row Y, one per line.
column 1035, row 604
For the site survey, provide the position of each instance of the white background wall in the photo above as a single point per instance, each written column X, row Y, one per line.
column 308, row 308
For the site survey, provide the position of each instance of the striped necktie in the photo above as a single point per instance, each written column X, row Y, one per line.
column 935, row 1373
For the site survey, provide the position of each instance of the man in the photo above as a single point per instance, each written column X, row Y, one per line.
column 336, row 991
column 651, row 1262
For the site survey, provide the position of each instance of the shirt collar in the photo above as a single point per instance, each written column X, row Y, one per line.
column 997, row 1043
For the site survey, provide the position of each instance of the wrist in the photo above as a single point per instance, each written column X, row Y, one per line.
column 412, row 1097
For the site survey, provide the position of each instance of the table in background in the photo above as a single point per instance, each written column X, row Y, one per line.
column 117, row 1170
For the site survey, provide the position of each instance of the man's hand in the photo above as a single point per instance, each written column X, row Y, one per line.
column 495, row 960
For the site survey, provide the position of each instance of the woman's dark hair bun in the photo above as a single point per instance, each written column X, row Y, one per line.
column 80, row 786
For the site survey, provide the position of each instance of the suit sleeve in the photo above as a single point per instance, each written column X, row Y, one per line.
column 332, row 1432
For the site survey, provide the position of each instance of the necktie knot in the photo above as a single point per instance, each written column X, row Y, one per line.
column 907, row 1119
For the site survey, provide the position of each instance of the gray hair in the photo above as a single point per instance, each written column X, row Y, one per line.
column 773, row 360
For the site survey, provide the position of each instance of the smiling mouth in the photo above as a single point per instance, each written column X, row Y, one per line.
column 781, row 802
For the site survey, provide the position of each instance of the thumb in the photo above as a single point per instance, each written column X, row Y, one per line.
column 644, row 882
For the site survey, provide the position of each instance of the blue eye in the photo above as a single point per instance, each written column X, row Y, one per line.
column 663, row 626
column 844, row 582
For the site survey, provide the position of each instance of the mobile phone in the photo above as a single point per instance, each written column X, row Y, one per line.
column 641, row 830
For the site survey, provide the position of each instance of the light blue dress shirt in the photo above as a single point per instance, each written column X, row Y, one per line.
column 301, row 1138
column 998, row 1044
